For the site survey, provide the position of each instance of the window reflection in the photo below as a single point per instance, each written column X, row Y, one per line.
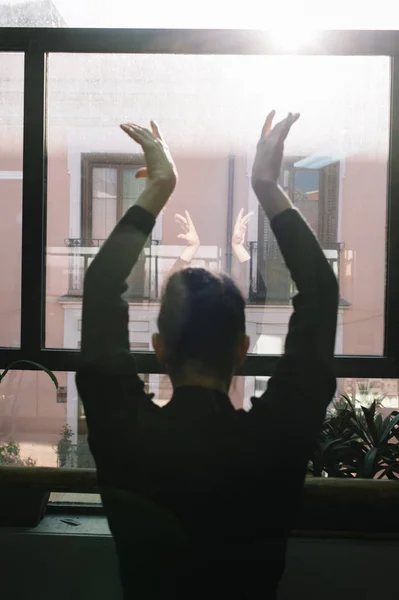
column 210, row 108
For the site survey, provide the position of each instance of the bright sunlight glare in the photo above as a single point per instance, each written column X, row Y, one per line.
column 254, row 14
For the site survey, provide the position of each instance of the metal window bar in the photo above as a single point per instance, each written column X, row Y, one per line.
column 37, row 42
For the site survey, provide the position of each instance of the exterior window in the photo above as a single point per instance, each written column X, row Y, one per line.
column 315, row 192
column 109, row 189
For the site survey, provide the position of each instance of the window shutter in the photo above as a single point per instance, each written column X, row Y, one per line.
column 272, row 278
column 272, row 271
column 328, row 213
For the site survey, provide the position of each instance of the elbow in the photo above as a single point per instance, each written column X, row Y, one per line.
column 327, row 301
column 330, row 286
column 333, row 285
column 331, row 295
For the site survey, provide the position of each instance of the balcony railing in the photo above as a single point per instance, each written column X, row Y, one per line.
column 274, row 283
column 82, row 251
column 145, row 281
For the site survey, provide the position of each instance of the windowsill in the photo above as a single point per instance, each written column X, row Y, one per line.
column 78, row 524
column 334, row 505
column 65, row 524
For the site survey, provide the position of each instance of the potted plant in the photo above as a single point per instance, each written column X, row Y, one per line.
column 21, row 506
column 357, row 442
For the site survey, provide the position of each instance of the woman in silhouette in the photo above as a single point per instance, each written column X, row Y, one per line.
column 201, row 497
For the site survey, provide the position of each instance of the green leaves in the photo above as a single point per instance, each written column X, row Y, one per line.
column 36, row 365
column 10, row 456
column 357, row 442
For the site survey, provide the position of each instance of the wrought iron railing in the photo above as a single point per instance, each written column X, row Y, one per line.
column 145, row 281
column 269, row 282
column 82, row 251
column 272, row 273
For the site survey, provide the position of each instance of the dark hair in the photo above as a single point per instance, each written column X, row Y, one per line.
column 201, row 319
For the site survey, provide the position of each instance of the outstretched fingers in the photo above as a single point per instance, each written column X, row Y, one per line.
column 180, row 219
column 142, row 136
column 267, row 127
column 238, row 219
column 282, row 129
column 188, row 218
column 246, row 218
column 132, row 131
column 156, row 130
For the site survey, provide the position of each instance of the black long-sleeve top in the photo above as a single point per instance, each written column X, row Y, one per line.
column 201, row 497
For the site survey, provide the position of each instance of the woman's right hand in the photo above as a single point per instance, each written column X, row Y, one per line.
column 238, row 238
column 189, row 233
column 240, row 228
column 160, row 168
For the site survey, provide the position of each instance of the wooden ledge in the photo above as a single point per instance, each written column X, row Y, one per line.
column 85, row 480
column 358, row 505
column 50, row 479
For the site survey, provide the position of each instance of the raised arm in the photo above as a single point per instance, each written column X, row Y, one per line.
column 107, row 379
column 105, row 313
column 303, row 383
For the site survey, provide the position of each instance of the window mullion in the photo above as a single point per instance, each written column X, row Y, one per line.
column 33, row 205
column 391, row 333
column 119, row 193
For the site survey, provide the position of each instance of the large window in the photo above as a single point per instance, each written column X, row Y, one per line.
column 335, row 171
column 109, row 188
column 67, row 96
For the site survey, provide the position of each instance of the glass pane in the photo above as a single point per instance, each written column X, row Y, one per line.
column 11, row 147
column 71, row 498
column 132, row 188
column 385, row 392
column 104, row 202
column 121, row 13
column 33, row 415
column 335, row 170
